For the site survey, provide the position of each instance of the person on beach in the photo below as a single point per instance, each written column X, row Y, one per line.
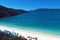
column 33, row 38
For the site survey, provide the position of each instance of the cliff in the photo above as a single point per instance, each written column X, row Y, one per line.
column 7, row 12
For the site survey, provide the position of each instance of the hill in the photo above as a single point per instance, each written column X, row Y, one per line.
column 47, row 10
column 7, row 12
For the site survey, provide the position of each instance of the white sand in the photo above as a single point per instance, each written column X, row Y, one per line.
column 39, row 35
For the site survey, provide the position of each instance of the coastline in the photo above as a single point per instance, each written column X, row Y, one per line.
column 25, row 33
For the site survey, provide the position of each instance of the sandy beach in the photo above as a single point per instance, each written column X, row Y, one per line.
column 25, row 33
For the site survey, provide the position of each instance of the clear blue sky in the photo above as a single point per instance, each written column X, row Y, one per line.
column 30, row 4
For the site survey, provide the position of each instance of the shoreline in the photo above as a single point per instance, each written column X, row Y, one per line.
column 25, row 33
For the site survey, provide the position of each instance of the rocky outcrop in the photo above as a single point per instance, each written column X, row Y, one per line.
column 7, row 12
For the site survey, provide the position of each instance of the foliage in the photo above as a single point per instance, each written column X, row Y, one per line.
column 7, row 35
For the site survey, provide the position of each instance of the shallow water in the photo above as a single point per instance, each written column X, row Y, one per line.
column 48, row 22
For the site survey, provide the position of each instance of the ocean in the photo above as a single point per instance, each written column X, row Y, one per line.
column 48, row 22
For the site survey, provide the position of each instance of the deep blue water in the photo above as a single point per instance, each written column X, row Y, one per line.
column 48, row 22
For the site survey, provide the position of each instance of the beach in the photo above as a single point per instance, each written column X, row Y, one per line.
column 25, row 33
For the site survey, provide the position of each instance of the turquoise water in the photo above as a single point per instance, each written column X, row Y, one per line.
column 48, row 22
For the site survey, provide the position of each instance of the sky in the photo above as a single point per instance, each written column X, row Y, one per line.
column 30, row 4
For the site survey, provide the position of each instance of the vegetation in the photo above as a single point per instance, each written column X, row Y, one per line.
column 7, row 12
column 7, row 35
